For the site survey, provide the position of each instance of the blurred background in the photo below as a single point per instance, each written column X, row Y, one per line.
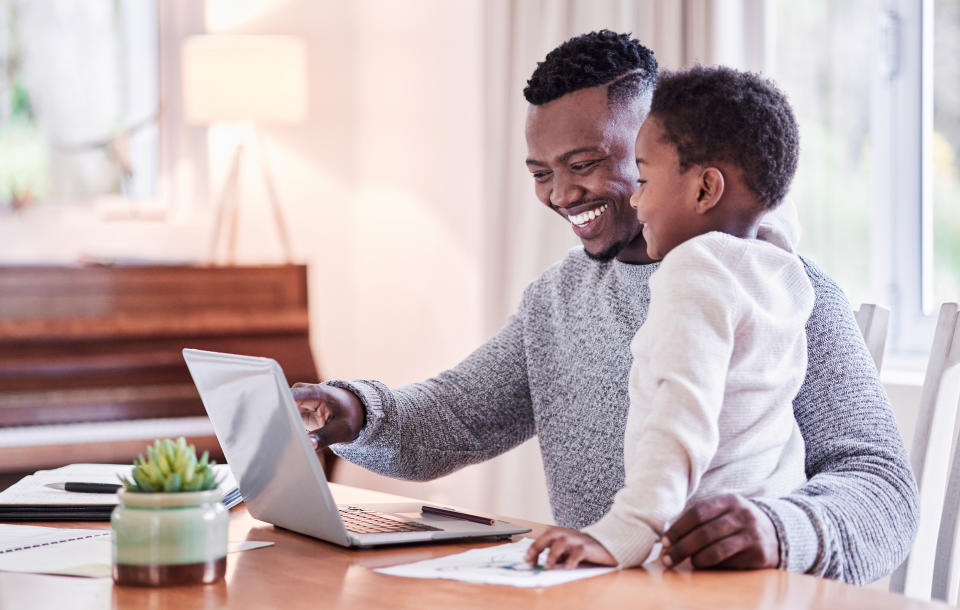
column 381, row 144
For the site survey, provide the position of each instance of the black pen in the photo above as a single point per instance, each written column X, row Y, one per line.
column 446, row 512
column 87, row 488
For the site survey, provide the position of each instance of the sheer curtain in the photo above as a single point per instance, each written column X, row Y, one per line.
column 522, row 237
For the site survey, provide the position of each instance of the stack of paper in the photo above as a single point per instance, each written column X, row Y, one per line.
column 54, row 550
column 29, row 499
column 74, row 552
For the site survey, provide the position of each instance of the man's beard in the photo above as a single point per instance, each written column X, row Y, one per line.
column 608, row 254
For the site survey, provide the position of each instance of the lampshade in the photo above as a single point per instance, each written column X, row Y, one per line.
column 244, row 78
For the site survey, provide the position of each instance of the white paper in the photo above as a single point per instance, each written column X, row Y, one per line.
column 79, row 552
column 32, row 489
column 496, row 565
column 74, row 552
column 18, row 536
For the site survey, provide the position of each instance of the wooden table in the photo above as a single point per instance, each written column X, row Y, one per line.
column 300, row 572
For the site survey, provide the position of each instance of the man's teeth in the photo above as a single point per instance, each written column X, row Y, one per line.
column 585, row 217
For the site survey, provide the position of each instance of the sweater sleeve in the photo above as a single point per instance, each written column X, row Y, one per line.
column 470, row 413
column 856, row 516
column 670, row 441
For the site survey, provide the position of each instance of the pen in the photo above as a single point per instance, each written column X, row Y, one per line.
column 88, row 488
column 446, row 512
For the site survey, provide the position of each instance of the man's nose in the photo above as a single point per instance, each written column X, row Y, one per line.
column 565, row 192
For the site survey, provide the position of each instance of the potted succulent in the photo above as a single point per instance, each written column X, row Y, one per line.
column 170, row 526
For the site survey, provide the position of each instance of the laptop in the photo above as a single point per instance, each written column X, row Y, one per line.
column 280, row 477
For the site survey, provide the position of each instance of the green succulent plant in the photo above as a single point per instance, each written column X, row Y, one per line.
column 171, row 466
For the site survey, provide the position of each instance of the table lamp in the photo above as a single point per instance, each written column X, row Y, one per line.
column 245, row 80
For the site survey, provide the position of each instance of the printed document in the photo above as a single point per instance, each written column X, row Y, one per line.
column 496, row 565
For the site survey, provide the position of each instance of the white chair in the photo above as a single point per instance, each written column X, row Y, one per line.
column 874, row 320
column 932, row 442
column 945, row 568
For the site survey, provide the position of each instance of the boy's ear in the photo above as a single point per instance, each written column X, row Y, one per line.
column 711, row 189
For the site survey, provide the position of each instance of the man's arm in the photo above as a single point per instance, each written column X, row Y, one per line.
column 470, row 413
column 856, row 517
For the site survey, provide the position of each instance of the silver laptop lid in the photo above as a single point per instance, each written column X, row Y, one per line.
column 256, row 420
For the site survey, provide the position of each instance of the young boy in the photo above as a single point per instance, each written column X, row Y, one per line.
column 722, row 352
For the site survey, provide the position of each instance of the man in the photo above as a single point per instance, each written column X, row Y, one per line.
column 559, row 367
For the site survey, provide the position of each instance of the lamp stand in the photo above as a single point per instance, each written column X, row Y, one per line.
column 228, row 207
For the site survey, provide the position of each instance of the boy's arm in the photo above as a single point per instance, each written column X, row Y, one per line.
column 856, row 516
column 671, row 440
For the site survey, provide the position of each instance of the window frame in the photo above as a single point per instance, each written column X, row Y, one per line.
column 902, row 129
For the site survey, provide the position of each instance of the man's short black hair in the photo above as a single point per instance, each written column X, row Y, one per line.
column 594, row 59
column 718, row 114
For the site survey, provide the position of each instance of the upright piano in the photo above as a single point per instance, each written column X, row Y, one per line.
column 90, row 356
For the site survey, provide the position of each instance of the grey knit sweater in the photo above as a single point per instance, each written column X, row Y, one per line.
column 559, row 370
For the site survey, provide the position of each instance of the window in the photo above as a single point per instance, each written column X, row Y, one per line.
column 830, row 93
column 874, row 87
column 946, row 153
column 78, row 99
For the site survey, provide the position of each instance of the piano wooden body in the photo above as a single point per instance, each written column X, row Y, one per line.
column 90, row 356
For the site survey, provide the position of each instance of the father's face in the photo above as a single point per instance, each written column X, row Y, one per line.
column 580, row 152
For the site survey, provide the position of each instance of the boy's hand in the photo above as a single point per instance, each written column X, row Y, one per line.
column 568, row 548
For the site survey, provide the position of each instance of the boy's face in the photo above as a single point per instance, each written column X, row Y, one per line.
column 666, row 196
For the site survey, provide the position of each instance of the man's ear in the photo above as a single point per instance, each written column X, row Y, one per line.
column 711, row 189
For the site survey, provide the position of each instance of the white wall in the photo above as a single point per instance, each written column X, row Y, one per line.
column 381, row 187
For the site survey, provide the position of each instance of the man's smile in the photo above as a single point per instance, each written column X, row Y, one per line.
column 584, row 218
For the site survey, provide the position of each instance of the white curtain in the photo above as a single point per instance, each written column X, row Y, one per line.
column 523, row 237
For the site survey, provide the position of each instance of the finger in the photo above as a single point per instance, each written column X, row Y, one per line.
column 530, row 557
column 306, row 391
column 542, row 542
column 558, row 551
column 699, row 513
column 721, row 550
column 701, row 537
column 749, row 559
column 336, row 431
column 574, row 557
column 534, row 550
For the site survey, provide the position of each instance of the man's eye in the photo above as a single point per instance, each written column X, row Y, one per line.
column 641, row 182
column 584, row 165
column 540, row 176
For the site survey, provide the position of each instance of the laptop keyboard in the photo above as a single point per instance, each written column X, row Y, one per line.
column 361, row 521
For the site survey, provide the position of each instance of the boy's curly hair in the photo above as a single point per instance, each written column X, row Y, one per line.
column 718, row 114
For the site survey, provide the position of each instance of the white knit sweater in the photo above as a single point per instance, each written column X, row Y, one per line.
column 716, row 365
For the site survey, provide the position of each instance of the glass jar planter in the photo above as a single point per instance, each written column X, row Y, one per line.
column 176, row 538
